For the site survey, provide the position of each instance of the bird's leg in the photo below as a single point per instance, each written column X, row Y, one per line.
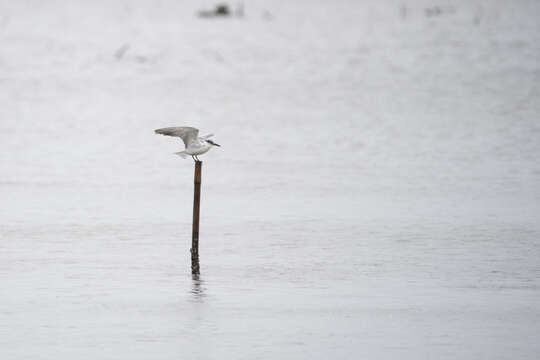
column 196, row 157
column 193, row 157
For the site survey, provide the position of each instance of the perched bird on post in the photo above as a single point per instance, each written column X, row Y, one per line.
column 195, row 145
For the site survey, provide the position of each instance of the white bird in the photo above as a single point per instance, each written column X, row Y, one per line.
column 195, row 145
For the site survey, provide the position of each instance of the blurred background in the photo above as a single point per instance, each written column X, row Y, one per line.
column 376, row 194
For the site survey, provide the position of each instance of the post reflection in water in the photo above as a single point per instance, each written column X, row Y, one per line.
column 197, row 288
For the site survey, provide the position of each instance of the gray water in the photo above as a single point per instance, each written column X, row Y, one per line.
column 376, row 194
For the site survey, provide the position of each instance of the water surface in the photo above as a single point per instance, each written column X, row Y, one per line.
column 376, row 194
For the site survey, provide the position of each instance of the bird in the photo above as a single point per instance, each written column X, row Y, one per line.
column 195, row 145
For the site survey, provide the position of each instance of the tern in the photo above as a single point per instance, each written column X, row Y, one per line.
column 195, row 145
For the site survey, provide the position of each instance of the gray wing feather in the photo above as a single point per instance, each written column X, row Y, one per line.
column 186, row 133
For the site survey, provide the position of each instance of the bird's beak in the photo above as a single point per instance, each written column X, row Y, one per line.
column 216, row 144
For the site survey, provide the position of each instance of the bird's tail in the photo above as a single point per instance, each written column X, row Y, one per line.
column 182, row 154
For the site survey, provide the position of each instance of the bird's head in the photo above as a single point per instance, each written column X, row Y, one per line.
column 212, row 143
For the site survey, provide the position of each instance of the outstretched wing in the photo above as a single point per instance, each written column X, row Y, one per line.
column 186, row 133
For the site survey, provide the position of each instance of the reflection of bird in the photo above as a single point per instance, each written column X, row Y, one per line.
column 195, row 145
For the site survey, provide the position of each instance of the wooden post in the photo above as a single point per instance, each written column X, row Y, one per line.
column 195, row 269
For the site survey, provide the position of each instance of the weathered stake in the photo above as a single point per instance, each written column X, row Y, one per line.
column 195, row 268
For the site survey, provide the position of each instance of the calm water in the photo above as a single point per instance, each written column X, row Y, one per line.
column 376, row 194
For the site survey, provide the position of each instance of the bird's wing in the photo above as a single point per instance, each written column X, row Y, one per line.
column 186, row 133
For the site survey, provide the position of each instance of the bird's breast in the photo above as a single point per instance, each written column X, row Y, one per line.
column 198, row 150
